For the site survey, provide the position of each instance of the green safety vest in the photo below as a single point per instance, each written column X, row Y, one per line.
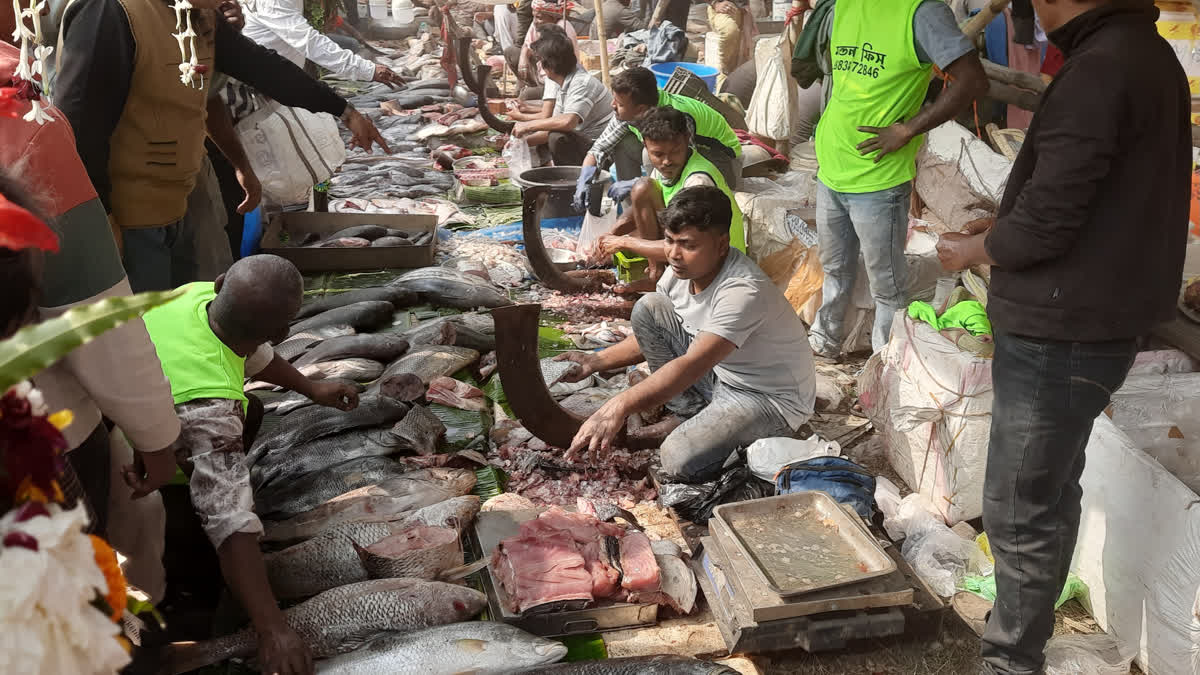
column 697, row 163
column 711, row 126
column 194, row 359
column 877, row 81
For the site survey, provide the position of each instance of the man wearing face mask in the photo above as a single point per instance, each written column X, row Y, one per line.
column 668, row 135
column 728, row 355
column 1087, row 254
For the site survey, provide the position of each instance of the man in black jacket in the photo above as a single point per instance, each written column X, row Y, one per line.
column 1087, row 253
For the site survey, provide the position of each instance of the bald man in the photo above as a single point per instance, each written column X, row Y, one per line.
column 208, row 341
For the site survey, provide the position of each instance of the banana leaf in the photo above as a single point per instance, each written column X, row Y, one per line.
column 36, row 347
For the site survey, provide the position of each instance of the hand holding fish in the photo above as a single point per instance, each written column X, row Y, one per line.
column 585, row 366
column 282, row 652
column 334, row 394
column 387, row 76
column 600, row 430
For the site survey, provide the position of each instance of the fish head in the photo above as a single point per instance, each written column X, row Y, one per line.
column 458, row 481
column 514, row 647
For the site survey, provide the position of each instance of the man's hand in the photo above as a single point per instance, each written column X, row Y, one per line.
column 149, row 471
column 609, row 244
column 601, row 429
column 282, row 652
column 585, row 366
column 251, row 187
column 232, row 12
column 583, row 186
column 363, row 131
column 886, row 140
column 978, row 226
column 521, row 129
column 387, row 76
column 958, row 251
column 333, row 394
column 727, row 8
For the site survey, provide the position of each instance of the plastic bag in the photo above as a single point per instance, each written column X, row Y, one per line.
column 985, row 587
column 941, row 557
column 517, row 156
column 291, row 150
column 1098, row 654
column 768, row 455
column 696, row 502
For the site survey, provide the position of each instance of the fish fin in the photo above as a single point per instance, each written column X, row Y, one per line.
column 184, row 657
column 463, row 571
column 472, row 645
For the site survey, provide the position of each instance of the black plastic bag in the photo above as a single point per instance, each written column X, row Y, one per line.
column 736, row 484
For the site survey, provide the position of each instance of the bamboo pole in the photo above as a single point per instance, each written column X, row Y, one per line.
column 603, row 42
column 977, row 23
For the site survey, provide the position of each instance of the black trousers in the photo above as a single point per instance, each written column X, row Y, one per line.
column 88, row 478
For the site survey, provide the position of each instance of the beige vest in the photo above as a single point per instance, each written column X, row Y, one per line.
column 157, row 148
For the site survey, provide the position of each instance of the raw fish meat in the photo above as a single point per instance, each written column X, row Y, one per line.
column 540, row 570
column 640, row 569
column 456, row 394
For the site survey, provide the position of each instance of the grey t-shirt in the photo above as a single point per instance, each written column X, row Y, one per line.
column 741, row 305
column 584, row 96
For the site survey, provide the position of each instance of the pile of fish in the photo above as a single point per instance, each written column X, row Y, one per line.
column 571, row 559
column 363, row 236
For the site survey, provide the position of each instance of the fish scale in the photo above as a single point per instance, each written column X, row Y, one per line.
column 451, row 288
column 357, row 369
column 398, row 297
column 342, row 619
column 308, row 492
column 637, row 665
column 382, row 348
column 362, row 316
column 476, row 647
column 323, row 562
column 307, row 425
column 321, row 453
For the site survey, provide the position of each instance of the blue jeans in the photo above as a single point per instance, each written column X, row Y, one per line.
column 875, row 223
column 718, row 418
column 1046, row 397
column 159, row 258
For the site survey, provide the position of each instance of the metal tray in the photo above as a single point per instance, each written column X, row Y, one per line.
column 803, row 542
column 602, row 615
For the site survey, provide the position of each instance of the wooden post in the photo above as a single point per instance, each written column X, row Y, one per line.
column 603, row 42
column 660, row 10
column 980, row 21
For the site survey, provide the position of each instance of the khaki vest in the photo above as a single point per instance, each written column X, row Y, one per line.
column 157, row 148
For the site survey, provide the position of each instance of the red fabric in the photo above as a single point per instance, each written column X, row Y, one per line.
column 1054, row 61
column 43, row 155
column 746, row 137
column 449, row 57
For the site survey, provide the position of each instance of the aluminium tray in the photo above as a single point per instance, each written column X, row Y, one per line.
column 602, row 615
column 803, row 542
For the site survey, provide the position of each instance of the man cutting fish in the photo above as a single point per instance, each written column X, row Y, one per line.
column 208, row 340
column 728, row 355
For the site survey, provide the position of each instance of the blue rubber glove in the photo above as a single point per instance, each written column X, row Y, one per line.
column 621, row 190
column 581, row 187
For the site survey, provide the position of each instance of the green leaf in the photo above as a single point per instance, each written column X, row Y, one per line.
column 36, row 347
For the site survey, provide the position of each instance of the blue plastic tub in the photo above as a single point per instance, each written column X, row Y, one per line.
column 252, row 231
column 663, row 71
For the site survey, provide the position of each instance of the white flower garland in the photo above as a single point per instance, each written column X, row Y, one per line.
column 31, row 65
column 48, row 625
column 185, row 35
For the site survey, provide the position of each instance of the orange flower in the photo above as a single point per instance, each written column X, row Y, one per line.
column 106, row 560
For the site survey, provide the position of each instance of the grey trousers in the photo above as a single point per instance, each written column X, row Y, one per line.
column 718, row 418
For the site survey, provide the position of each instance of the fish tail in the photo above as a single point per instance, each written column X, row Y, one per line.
column 183, row 657
column 462, row 571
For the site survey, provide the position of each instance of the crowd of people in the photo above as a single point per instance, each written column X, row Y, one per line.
column 110, row 144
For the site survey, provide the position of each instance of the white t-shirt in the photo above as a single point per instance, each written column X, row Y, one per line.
column 741, row 305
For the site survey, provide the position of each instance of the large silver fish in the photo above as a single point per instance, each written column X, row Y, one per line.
column 476, row 647
column 638, row 665
column 451, row 288
column 398, row 297
column 362, row 316
column 344, row 618
column 286, row 499
column 321, row 453
column 306, row 425
column 377, row 347
column 419, row 552
column 430, row 362
column 435, row 497
column 359, row 370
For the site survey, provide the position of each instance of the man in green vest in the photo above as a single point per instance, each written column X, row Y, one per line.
column 208, row 341
column 635, row 93
column 882, row 55
column 668, row 136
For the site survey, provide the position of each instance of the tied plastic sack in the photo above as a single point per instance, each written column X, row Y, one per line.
column 291, row 150
column 517, row 156
column 1098, row 654
column 767, row 456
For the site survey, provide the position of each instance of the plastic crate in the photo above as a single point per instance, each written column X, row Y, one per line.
column 630, row 268
column 686, row 83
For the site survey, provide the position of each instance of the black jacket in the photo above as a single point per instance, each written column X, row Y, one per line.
column 1090, row 236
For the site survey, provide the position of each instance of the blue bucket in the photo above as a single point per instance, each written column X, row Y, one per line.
column 663, row 71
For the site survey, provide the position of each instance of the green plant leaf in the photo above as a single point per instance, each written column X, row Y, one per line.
column 36, row 347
